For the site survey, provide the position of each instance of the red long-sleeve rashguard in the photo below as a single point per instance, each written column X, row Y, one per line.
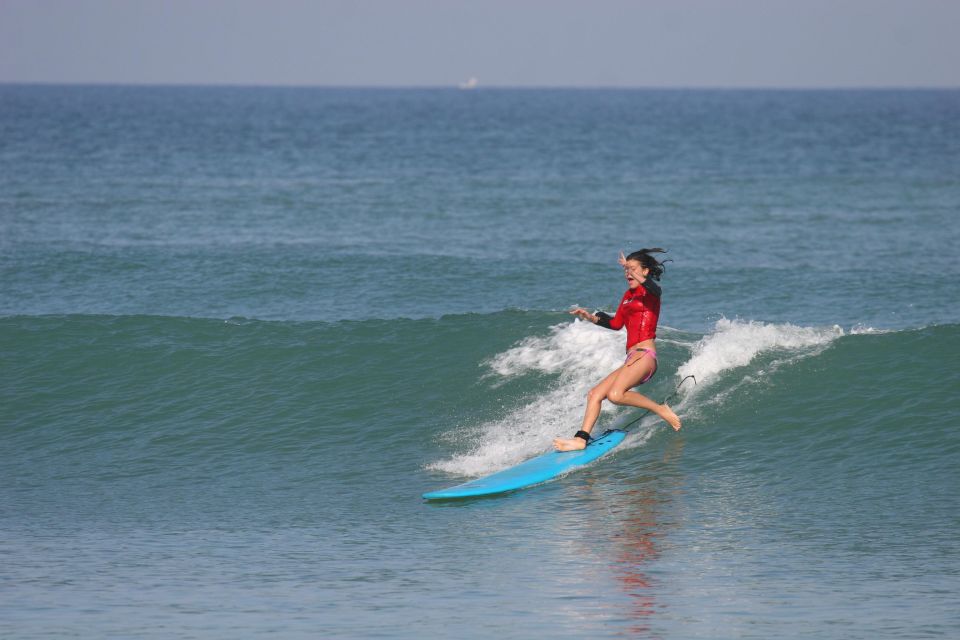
column 639, row 311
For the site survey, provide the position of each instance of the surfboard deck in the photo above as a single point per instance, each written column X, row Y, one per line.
column 533, row 471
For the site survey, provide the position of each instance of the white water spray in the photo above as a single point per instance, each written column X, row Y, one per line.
column 581, row 354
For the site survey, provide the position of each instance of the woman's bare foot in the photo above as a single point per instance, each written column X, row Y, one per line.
column 569, row 444
column 669, row 416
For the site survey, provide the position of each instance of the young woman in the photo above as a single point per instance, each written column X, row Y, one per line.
column 639, row 310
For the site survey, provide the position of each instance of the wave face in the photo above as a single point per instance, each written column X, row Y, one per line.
column 101, row 397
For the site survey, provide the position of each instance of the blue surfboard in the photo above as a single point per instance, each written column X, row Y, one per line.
column 533, row 471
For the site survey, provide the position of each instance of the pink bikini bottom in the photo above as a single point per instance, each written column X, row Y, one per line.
column 645, row 352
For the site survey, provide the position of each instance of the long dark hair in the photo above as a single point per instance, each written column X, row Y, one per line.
column 649, row 262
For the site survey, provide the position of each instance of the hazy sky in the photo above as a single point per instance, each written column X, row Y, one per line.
column 638, row 43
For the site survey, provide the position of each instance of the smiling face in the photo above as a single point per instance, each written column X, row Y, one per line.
column 633, row 271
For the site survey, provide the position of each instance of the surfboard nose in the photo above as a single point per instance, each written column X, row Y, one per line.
column 534, row 471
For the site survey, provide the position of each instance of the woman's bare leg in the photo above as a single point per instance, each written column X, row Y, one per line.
column 616, row 388
column 629, row 376
column 634, row 399
column 595, row 399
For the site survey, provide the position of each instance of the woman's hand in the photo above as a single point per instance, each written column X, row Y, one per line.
column 582, row 313
column 637, row 273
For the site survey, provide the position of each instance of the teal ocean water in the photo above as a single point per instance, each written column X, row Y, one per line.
column 243, row 329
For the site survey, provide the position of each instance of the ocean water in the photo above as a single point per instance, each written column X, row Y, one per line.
column 243, row 329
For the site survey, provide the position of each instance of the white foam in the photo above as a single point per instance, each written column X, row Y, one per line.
column 579, row 354
column 569, row 347
column 735, row 343
column 863, row 330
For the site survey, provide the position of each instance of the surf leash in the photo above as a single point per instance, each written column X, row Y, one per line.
column 665, row 400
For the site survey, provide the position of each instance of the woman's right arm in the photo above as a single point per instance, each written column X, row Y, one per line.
column 583, row 314
column 602, row 319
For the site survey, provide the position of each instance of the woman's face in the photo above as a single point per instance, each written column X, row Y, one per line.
column 632, row 271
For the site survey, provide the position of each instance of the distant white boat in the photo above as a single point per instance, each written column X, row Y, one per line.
column 470, row 84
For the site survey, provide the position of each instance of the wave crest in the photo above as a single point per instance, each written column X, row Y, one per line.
column 736, row 343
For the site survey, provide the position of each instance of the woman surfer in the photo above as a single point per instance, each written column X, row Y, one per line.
column 639, row 311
